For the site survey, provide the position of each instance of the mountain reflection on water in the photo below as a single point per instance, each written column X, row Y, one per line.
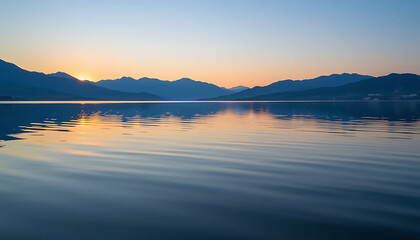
column 15, row 117
column 210, row 170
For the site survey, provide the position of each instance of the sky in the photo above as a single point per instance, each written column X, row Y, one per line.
column 225, row 42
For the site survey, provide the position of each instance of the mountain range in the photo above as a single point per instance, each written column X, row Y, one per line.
column 238, row 88
column 295, row 85
column 20, row 84
column 391, row 87
column 182, row 89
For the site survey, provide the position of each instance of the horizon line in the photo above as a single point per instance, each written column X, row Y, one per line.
column 238, row 85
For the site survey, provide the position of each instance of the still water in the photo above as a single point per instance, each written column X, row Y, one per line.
column 225, row 170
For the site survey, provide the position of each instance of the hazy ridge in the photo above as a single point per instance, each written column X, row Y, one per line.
column 20, row 84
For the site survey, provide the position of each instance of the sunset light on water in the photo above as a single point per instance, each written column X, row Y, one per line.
column 210, row 119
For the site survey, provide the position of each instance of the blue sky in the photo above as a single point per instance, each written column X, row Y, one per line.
column 228, row 42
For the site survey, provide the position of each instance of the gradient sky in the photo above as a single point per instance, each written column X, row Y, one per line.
column 226, row 42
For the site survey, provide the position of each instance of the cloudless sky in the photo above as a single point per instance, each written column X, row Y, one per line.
column 226, row 42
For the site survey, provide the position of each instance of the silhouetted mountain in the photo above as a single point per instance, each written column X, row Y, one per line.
column 393, row 86
column 63, row 74
column 238, row 88
column 298, row 85
column 182, row 89
column 18, row 83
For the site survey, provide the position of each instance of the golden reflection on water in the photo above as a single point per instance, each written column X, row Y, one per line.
column 210, row 165
column 98, row 134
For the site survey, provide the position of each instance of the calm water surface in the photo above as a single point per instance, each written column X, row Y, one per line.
column 210, row 171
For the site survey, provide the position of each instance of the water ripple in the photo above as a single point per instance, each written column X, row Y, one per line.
column 210, row 171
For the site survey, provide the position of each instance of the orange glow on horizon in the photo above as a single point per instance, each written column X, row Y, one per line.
column 83, row 77
column 99, row 68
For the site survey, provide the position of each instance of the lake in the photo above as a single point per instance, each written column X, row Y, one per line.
column 210, row 170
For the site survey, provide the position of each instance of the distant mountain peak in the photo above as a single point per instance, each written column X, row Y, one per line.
column 296, row 85
column 147, row 78
column 399, row 74
column 22, row 84
column 125, row 78
column 238, row 88
column 9, row 65
column 63, row 75
column 181, row 89
column 344, row 74
column 186, row 80
column 391, row 87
